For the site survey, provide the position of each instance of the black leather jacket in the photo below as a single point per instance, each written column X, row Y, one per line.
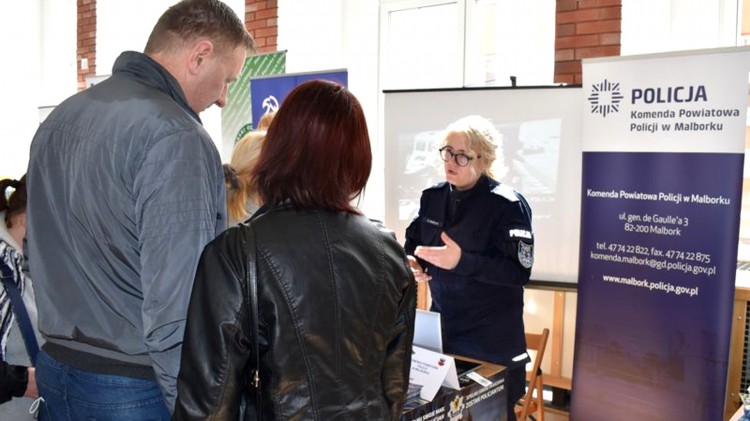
column 336, row 306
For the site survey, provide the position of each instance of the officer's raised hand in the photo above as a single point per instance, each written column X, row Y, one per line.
column 445, row 257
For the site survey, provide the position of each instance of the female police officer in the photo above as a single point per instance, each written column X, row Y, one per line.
column 473, row 239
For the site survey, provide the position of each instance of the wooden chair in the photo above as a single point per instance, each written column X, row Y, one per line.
column 529, row 404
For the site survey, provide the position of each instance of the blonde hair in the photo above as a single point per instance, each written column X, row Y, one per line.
column 265, row 120
column 244, row 157
column 483, row 139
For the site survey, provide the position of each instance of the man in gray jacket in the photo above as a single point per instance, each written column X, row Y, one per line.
column 125, row 189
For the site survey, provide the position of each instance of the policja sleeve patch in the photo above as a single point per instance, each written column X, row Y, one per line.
column 520, row 233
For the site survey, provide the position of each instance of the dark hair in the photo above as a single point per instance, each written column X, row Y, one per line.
column 317, row 150
column 189, row 20
column 16, row 203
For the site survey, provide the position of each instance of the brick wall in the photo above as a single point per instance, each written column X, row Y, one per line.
column 86, row 40
column 585, row 29
column 261, row 20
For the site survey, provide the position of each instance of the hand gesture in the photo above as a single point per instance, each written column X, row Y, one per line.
column 416, row 269
column 445, row 257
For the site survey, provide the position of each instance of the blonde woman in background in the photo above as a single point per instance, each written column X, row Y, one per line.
column 242, row 198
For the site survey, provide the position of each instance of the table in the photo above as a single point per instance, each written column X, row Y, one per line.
column 473, row 401
column 737, row 415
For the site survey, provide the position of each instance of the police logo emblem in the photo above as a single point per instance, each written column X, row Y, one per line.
column 456, row 408
column 525, row 254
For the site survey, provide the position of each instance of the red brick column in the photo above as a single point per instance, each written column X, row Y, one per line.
column 584, row 29
column 86, row 40
column 262, row 20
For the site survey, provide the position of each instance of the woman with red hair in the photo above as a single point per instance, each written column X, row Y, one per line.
column 309, row 302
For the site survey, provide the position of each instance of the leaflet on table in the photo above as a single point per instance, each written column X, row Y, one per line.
column 431, row 370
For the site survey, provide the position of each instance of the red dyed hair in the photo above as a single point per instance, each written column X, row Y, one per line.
column 317, row 150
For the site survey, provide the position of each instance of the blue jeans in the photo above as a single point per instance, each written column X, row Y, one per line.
column 76, row 395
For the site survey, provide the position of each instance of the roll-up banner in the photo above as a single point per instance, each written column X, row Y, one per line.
column 267, row 93
column 237, row 114
column 663, row 150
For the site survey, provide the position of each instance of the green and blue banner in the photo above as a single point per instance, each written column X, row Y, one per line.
column 267, row 93
column 237, row 114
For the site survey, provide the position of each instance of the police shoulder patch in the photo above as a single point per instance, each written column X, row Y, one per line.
column 506, row 191
column 525, row 254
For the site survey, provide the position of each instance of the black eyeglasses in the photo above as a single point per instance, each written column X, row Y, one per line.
column 462, row 160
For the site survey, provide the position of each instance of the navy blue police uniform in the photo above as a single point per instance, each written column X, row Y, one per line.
column 481, row 299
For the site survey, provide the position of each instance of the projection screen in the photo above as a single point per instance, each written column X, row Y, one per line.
column 541, row 129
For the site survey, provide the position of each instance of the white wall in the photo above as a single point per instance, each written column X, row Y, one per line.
column 39, row 71
column 653, row 26
column 40, row 63
column 57, row 51
column 20, row 86
column 339, row 34
column 123, row 26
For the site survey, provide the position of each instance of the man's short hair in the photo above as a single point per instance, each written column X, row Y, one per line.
column 190, row 20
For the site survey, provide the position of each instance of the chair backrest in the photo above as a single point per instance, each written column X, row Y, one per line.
column 535, row 342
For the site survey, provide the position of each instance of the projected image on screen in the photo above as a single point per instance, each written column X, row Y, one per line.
column 541, row 147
